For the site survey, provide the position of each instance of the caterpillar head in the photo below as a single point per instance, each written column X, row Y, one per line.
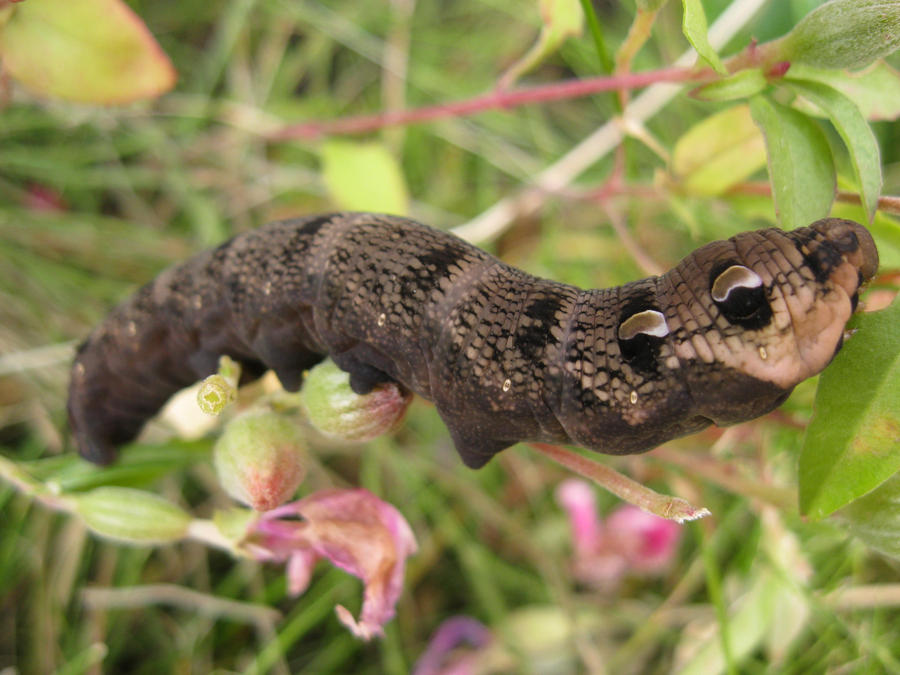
column 771, row 312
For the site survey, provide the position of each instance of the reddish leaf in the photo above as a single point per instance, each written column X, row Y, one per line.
column 90, row 51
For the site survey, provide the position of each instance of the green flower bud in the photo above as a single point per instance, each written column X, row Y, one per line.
column 214, row 394
column 131, row 516
column 260, row 459
column 337, row 411
column 842, row 34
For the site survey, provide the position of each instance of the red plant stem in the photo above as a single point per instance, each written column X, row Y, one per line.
column 498, row 99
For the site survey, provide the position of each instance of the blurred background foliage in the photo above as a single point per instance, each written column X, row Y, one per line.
column 95, row 200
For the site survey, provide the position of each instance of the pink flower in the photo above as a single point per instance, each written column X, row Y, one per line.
column 41, row 197
column 630, row 541
column 442, row 657
column 356, row 532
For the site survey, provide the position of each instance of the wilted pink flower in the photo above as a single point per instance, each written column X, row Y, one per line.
column 356, row 532
column 441, row 657
column 630, row 540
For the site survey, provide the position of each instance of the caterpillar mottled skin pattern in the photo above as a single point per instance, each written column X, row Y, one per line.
column 721, row 338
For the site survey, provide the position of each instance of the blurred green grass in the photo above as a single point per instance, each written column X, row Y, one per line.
column 143, row 186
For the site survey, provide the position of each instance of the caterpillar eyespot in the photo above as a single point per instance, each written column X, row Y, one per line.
column 722, row 337
column 648, row 322
column 733, row 279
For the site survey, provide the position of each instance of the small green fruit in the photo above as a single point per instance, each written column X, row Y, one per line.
column 261, row 459
column 334, row 409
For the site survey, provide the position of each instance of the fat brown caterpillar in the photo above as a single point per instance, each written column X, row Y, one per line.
column 721, row 338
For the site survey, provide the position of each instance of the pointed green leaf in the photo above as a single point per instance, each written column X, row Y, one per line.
column 92, row 51
column 842, row 34
column 875, row 91
column 718, row 152
column 852, row 444
column 696, row 29
column 364, row 177
column 856, row 134
column 801, row 168
column 743, row 84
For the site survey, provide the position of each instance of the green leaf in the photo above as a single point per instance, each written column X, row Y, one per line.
column 364, row 177
column 842, row 34
column 875, row 91
column 718, row 152
column 743, row 84
column 852, row 444
column 695, row 29
column 801, row 168
column 774, row 595
column 855, row 132
column 875, row 517
column 561, row 19
column 91, row 51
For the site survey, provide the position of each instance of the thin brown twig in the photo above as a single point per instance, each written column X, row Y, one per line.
column 134, row 597
column 865, row 597
column 647, row 264
column 673, row 508
column 567, row 89
column 886, row 203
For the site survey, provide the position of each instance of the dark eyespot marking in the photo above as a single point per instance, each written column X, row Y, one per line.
column 739, row 294
column 312, row 226
column 822, row 258
column 846, row 243
column 533, row 338
column 438, row 260
column 641, row 330
column 544, row 309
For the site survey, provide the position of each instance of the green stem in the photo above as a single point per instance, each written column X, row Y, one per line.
column 606, row 62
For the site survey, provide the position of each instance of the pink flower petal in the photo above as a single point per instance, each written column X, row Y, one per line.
column 355, row 531
column 629, row 540
column 437, row 659
column 299, row 570
column 577, row 498
column 649, row 542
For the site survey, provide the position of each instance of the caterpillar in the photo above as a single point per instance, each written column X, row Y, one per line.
column 721, row 338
